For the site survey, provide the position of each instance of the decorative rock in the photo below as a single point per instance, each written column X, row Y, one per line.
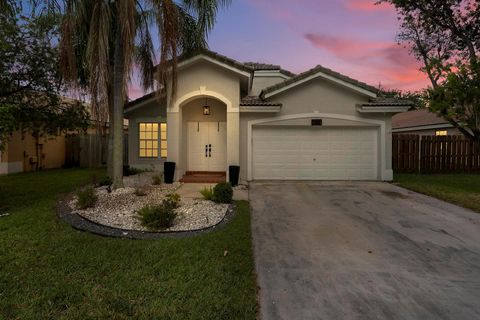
column 119, row 208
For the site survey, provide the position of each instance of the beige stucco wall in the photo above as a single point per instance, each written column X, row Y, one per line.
column 21, row 149
column 197, row 81
column 151, row 111
column 261, row 82
column 317, row 96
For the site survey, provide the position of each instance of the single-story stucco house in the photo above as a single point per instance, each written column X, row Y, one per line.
column 317, row 125
column 422, row 122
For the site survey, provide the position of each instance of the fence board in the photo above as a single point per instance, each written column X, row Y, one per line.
column 89, row 150
column 431, row 154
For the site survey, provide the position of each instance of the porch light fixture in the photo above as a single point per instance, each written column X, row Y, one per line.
column 206, row 108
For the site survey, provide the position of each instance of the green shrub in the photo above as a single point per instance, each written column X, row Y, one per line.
column 157, row 217
column 172, row 200
column 105, row 181
column 139, row 192
column 223, row 193
column 157, row 179
column 207, row 193
column 131, row 171
column 86, row 198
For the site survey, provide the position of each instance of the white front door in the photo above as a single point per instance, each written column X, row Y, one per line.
column 207, row 146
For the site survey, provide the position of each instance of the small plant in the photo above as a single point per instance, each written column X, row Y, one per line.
column 223, row 193
column 131, row 171
column 207, row 193
column 139, row 192
column 94, row 180
column 172, row 200
column 157, row 217
column 86, row 198
column 105, row 181
column 157, row 179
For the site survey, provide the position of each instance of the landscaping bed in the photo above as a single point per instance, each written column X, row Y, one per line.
column 52, row 271
column 119, row 208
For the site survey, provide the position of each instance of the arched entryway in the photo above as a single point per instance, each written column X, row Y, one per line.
column 186, row 119
column 204, row 132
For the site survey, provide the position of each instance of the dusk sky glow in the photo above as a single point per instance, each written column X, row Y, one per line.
column 353, row 37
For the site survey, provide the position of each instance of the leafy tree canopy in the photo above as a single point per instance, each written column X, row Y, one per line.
column 445, row 36
column 30, row 80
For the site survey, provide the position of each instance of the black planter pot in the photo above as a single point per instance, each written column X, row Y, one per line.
column 234, row 173
column 169, row 172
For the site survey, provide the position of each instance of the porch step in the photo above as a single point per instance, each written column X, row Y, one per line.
column 204, row 177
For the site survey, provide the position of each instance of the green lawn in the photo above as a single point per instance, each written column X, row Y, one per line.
column 50, row 271
column 460, row 189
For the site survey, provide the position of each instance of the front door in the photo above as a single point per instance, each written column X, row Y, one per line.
column 207, row 146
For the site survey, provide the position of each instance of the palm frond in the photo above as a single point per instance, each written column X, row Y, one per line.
column 98, row 58
column 127, row 12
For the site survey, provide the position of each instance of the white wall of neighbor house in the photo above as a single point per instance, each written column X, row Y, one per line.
column 200, row 80
column 438, row 130
column 322, row 97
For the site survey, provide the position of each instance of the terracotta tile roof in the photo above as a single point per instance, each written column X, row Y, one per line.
column 315, row 70
column 266, row 66
column 216, row 56
column 257, row 101
column 416, row 118
column 139, row 100
column 387, row 102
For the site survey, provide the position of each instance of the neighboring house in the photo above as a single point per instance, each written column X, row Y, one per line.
column 20, row 153
column 274, row 124
column 422, row 122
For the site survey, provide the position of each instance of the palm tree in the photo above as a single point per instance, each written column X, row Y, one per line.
column 100, row 40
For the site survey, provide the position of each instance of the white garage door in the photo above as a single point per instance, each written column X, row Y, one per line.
column 313, row 153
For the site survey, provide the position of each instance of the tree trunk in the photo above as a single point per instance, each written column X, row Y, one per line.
column 110, row 128
column 118, row 103
column 37, row 151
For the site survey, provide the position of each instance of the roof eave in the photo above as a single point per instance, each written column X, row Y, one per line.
column 383, row 109
column 134, row 105
column 265, row 94
column 260, row 109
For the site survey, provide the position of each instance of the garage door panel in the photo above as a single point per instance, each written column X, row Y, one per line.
column 315, row 153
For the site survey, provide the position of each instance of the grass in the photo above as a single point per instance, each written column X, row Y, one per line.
column 50, row 271
column 460, row 189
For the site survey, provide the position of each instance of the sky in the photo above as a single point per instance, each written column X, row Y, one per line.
column 353, row 37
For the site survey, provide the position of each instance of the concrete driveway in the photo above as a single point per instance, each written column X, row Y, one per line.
column 366, row 250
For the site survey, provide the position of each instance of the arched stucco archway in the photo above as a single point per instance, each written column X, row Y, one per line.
column 178, row 151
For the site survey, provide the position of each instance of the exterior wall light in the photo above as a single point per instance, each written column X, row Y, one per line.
column 206, row 108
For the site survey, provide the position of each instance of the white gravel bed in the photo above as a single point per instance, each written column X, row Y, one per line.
column 118, row 208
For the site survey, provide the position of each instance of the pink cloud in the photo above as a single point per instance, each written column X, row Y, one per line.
column 367, row 5
column 342, row 47
column 373, row 61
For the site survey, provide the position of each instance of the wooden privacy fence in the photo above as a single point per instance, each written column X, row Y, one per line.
column 89, row 150
column 432, row 154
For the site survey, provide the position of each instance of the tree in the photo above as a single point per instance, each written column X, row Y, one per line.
column 445, row 36
column 30, row 82
column 101, row 39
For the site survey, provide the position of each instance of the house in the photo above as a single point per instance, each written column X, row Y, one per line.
column 274, row 124
column 422, row 122
column 21, row 153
